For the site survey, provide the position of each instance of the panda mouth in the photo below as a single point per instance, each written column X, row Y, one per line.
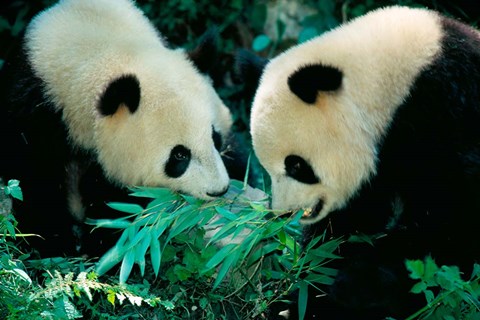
column 312, row 213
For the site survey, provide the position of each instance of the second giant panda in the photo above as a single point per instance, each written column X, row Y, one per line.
column 99, row 102
column 374, row 128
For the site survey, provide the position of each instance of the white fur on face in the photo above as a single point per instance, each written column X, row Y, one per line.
column 78, row 47
column 380, row 56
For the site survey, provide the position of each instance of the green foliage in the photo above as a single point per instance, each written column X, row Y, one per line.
column 13, row 189
column 449, row 297
column 221, row 248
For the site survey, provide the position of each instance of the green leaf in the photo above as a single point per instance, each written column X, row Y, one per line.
column 13, row 189
column 110, row 259
column 183, row 223
column 327, row 271
column 431, row 269
column 261, row 42
column 475, row 272
column 360, row 238
column 168, row 305
column 70, row 311
column 225, row 213
column 219, row 256
column 127, row 265
column 281, row 27
column 203, row 302
column 416, row 268
column 23, row 275
column 419, row 287
column 111, row 297
column 224, row 231
column 449, row 277
column 265, row 249
column 259, row 207
column 307, row 34
column 320, row 279
column 259, row 16
column 302, row 299
column 230, row 261
column 125, row 207
column 110, row 223
column 164, row 194
column 429, row 296
column 181, row 272
column 155, row 255
column 320, row 253
column 160, row 228
column 141, row 251
column 138, row 237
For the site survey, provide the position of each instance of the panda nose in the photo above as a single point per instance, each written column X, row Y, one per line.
column 218, row 194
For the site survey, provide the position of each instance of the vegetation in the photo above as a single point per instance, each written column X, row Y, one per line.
column 167, row 263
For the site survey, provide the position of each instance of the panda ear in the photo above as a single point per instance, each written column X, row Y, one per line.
column 249, row 68
column 307, row 81
column 205, row 54
column 124, row 90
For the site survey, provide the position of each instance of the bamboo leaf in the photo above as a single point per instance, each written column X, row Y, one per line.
column 223, row 232
column 226, row 266
column 219, row 256
column 164, row 194
column 141, row 251
column 127, row 265
column 302, row 299
column 320, row 278
column 155, row 255
column 225, row 213
column 126, row 207
column 110, row 259
column 183, row 223
column 109, row 223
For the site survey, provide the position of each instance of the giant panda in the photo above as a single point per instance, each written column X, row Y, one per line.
column 99, row 103
column 373, row 128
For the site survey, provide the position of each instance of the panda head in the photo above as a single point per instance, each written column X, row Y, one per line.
column 308, row 140
column 323, row 107
column 157, row 130
column 146, row 112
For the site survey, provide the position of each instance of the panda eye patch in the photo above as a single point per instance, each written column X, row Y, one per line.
column 178, row 161
column 297, row 168
column 217, row 139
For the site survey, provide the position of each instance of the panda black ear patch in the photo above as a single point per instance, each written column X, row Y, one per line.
column 205, row 54
column 249, row 68
column 124, row 90
column 307, row 81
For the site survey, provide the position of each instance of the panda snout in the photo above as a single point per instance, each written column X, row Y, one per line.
column 217, row 194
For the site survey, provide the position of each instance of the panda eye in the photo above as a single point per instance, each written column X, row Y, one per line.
column 180, row 155
column 299, row 169
column 217, row 139
column 178, row 161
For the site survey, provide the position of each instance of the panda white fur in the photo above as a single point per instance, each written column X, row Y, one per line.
column 101, row 103
column 374, row 128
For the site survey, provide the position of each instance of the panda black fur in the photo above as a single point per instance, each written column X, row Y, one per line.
column 374, row 128
column 97, row 102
